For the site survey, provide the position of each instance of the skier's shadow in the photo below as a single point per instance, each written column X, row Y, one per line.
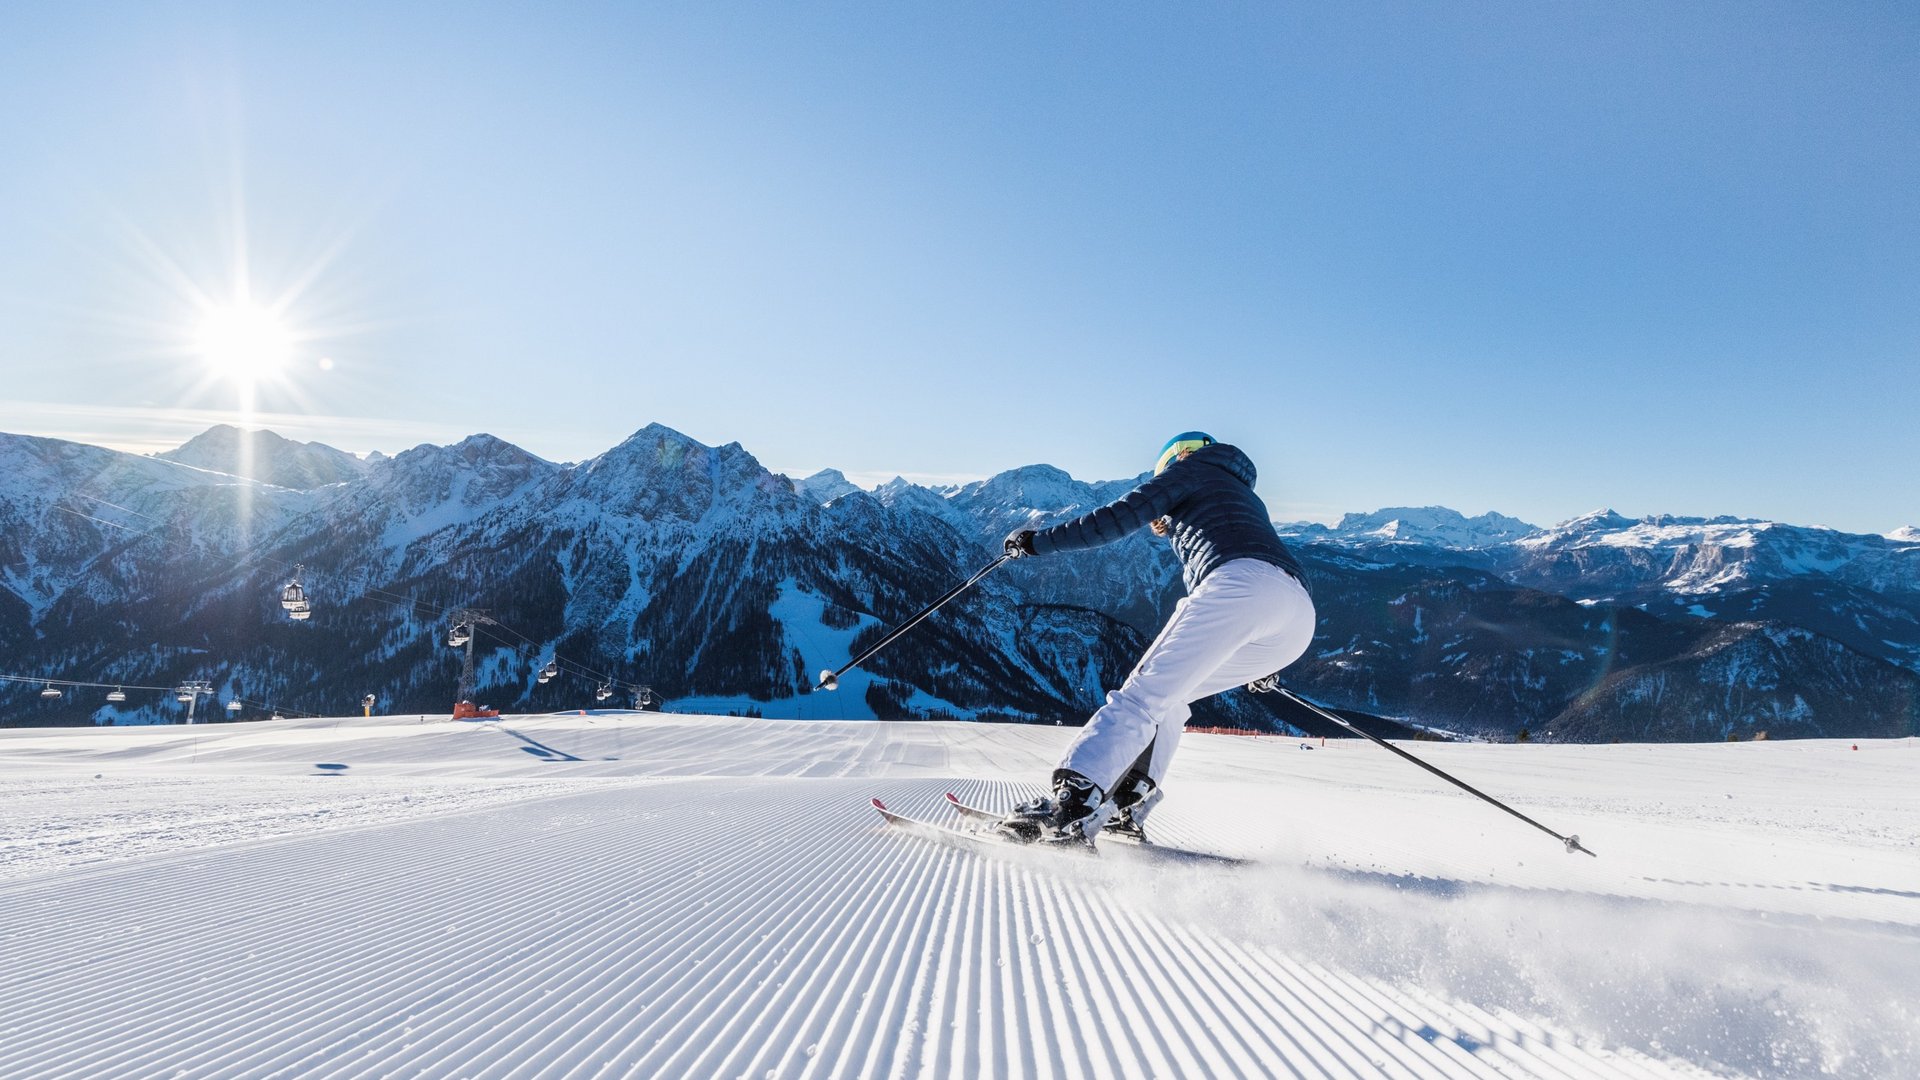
column 1453, row 888
column 1811, row 886
column 537, row 748
column 1450, row 888
column 1445, row 888
column 1902, row 893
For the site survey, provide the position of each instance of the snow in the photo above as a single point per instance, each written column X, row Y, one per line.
column 826, row 486
column 457, row 508
column 823, row 648
column 1436, row 525
column 1031, row 491
column 652, row 894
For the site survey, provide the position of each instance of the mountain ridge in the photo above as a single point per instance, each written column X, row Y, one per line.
column 260, row 454
column 697, row 569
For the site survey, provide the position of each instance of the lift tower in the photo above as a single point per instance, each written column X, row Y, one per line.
column 460, row 632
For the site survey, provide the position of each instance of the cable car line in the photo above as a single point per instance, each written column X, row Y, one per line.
column 120, row 689
column 296, row 600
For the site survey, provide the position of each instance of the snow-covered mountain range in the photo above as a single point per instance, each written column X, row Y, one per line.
column 727, row 587
column 1426, row 526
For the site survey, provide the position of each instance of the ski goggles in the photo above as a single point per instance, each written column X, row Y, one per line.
column 1186, row 440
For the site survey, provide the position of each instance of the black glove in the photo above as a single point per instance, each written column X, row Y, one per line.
column 1019, row 543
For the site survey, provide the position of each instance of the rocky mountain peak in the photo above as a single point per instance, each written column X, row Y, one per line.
column 485, row 449
column 1045, row 489
column 659, row 470
column 480, row 452
column 659, row 448
column 1595, row 520
column 267, row 457
column 827, row 485
column 1437, row 525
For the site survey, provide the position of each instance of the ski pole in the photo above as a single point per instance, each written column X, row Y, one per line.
column 830, row 680
column 1571, row 843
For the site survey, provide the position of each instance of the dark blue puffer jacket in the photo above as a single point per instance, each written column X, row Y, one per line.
column 1216, row 516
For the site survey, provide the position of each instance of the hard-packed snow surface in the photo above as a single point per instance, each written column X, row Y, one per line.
column 651, row 895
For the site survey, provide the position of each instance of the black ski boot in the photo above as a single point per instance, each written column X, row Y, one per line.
column 1133, row 798
column 1073, row 814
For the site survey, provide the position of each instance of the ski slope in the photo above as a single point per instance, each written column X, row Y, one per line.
column 638, row 894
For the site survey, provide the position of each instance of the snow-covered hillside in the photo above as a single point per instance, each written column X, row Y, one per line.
column 652, row 895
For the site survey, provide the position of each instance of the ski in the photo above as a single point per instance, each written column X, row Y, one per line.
column 965, row 838
column 971, row 813
column 1163, row 851
column 976, row 839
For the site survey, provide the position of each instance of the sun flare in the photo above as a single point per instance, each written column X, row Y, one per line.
column 244, row 342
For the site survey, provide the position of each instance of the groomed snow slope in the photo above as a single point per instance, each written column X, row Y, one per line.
column 648, row 895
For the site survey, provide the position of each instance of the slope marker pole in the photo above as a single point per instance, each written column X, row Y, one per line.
column 1571, row 843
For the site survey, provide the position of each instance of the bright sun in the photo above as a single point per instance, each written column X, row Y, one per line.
column 244, row 342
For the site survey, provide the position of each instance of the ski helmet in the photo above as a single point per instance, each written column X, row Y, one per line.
column 1186, row 440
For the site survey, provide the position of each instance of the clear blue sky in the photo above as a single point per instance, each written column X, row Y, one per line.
column 1533, row 258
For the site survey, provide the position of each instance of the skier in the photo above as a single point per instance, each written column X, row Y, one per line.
column 1246, row 615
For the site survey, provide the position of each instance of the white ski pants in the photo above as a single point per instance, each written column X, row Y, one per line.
column 1245, row 620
